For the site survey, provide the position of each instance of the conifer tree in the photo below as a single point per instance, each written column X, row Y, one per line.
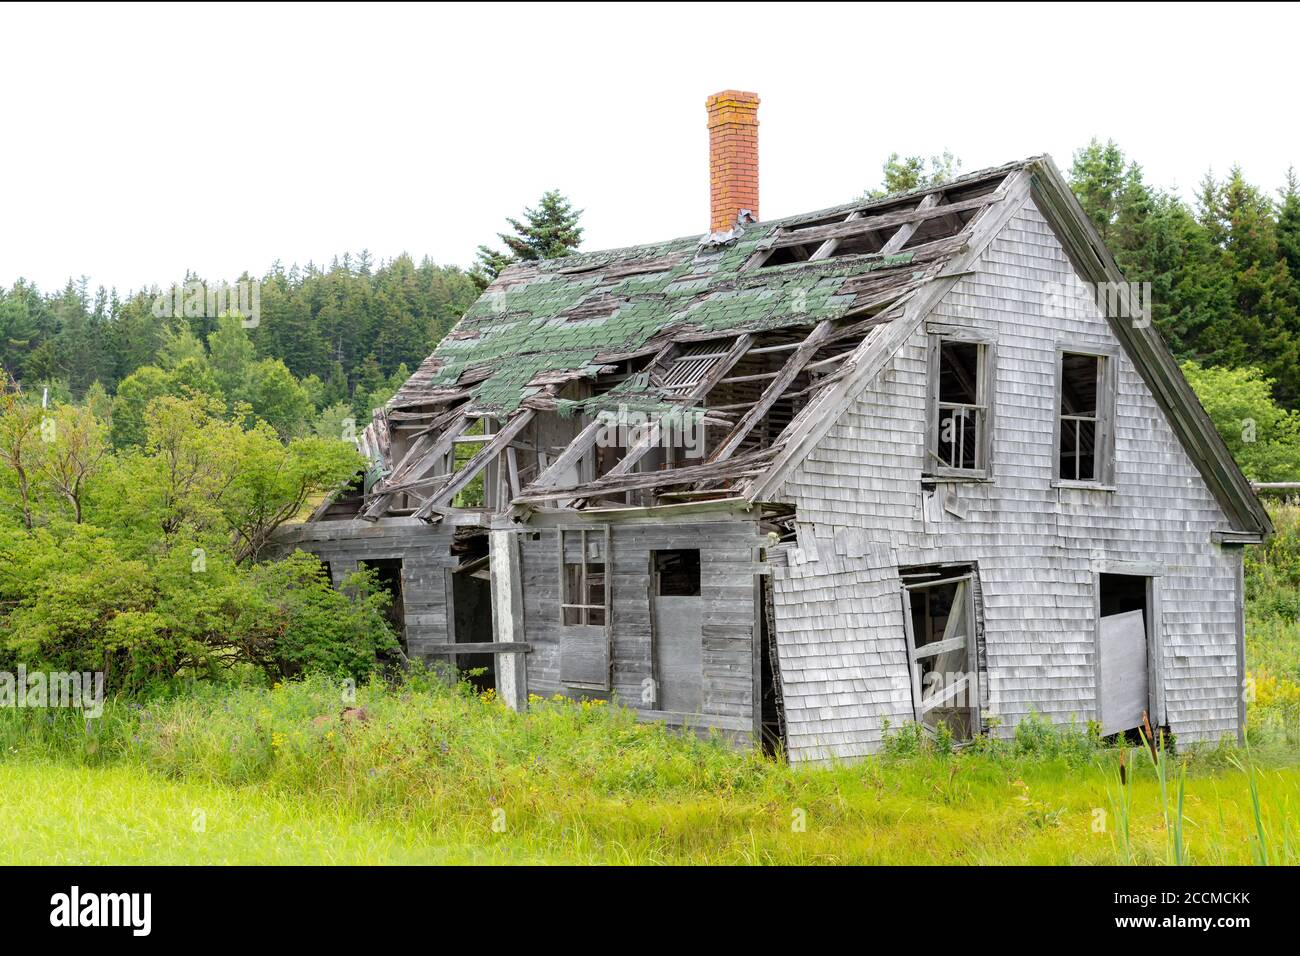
column 549, row 231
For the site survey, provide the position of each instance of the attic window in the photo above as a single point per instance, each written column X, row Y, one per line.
column 1085, row 402
column 960, row 383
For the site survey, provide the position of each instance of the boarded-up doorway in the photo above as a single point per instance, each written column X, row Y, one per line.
column 1123, row 652
column 678, row 613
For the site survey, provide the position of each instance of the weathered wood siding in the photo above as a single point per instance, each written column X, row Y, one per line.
column 425, row 552
column 843, row 660
column 839, row 621
column 728, row 551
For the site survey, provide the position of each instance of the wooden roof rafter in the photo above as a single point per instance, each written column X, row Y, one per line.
column 698, row 390
column 457, row 481
column 780, row 382
column 425, row 453
column 586, row 439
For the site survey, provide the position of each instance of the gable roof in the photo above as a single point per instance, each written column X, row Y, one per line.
column 855, row 279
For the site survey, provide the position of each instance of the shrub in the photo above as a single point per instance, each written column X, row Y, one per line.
column 76, row 604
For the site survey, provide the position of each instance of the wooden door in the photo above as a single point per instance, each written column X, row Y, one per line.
column 1124, row 688
column 679, row 653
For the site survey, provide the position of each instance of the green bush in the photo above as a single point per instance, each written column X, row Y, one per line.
column 75, row 604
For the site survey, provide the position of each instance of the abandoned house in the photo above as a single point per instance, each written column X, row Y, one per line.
column 913, row 458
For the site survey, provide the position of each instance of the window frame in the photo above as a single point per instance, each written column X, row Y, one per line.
column 657, row 576
column 578, row 638
column 986, row 391
column 584, row 608
column 1103, row 471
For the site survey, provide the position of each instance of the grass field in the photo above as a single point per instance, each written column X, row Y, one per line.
column 436, row 775
column 426, row 772
column 57, row 813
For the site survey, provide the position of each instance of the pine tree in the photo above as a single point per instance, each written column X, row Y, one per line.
column 1098, row 179
column 1288, row 224
column 901, row 174
column 550, row 231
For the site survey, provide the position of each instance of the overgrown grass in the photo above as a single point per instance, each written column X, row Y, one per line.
column 427, row 772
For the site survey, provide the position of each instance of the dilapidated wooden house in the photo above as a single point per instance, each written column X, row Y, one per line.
column 918, row 458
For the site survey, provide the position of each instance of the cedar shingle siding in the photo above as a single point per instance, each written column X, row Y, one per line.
column 1034, row 544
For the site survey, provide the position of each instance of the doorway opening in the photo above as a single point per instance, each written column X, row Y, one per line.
column 1123, row 653
column 388, row 575
column 772, row 703
column 941, row 640
column 472, row 614
column 677, row 610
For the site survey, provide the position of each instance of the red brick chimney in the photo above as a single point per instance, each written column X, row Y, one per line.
column 733, row 157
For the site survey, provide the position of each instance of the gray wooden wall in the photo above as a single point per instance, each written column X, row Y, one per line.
column 425, row 552
column 839, row 622
column 728, row 549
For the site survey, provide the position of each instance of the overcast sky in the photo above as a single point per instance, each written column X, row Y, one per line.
column 140, row 142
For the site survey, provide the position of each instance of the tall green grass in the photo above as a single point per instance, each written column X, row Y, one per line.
column 428, row 771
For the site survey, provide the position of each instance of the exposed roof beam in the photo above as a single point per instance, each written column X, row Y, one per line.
column 827, row 248
column 845, row 230
column 741, row 466
column 907, row 229
column 789, row 371
column 586, row 438
column 699, row 391
column 412, row 469
column 460, row 479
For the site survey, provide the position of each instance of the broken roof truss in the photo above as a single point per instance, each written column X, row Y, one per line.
column 738, row 338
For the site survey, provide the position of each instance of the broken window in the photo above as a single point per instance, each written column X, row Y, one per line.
column 677, row 573
column 584, row 597
column 1083, row 418
column 940, row 624
column 959, row 407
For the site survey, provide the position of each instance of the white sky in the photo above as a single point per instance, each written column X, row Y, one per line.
column 142, row 141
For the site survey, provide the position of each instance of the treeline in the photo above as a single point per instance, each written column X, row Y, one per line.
column 1224, row 274
column 1224, row 270
column 343, row 333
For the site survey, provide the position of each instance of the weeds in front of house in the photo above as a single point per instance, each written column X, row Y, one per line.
column 432, row 770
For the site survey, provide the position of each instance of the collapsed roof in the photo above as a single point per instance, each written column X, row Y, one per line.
column 762, row 333
column 542, row 322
